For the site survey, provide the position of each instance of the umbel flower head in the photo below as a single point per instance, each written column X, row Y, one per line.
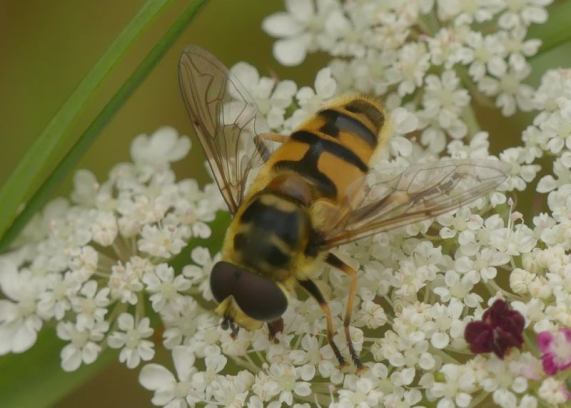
column 121, row 262
column 89, row 263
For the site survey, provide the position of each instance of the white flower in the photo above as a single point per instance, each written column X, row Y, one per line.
column 90, row 304
column 163, row 241
column 282, row 383
column 553, row 391
column 165, row 288
column 521, row 171
column 456, row 389
column 125, row 281
column 301, row 29
column 19, row 323
column 186, row 325
column 443, row 103
column 130, row 339
column 487, row 56
column 510, row 91
column 84, row 343
column 163, row 147
column 517, row 47
column 410, row 68
column 170, row 391
column 523, row 13
column 446, row 47
column 199, row 274
column 271, row 97
column 311, row 100
column 104, row 229
column 55, row 301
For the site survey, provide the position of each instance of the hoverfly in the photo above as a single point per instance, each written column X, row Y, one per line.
column 308, row 197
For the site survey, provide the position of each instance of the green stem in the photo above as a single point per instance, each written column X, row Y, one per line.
column 530, row 342
column 479, row 398
column 555, row 31
column 89, row 135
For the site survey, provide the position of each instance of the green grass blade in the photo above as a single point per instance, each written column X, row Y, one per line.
column 35, row 379
column 31, row 168
column 555, row 31
column 15, row 193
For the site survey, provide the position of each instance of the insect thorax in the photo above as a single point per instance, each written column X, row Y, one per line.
column 270, row 235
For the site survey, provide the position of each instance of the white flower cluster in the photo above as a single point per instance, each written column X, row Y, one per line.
column 94, row 264
column 391, row 47
column 88, row 264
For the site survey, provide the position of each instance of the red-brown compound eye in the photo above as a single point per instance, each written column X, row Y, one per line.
column 258, row 297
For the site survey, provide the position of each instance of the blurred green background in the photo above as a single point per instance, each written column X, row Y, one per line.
column 46, row 48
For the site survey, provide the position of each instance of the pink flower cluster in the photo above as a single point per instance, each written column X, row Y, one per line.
column 555, row 349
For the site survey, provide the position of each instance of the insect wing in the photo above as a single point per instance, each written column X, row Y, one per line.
column 226, row 120
column 420, row 192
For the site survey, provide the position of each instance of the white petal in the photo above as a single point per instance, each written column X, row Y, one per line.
column 301, row 9
column 290, row 52
column 116, row 340
column 302, row 389
column 281, row 25
column 9, row 279
column 126, row 321
column 155, row 377
column 325, row 85
column 70, row 358
column 8, row 311
column 90, row 352
column 183, row 359
column 246, row 74
column 23, row 338
column 404, row 121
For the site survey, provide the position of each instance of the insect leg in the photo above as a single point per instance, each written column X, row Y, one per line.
column 314, row 291
column 274, row 137
column 342, row 266
column 275, row 327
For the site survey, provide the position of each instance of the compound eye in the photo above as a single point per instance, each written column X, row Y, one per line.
column 223, row 280
column 258, row 297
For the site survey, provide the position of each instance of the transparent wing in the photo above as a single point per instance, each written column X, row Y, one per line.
column 420, row 192
column 225, row 119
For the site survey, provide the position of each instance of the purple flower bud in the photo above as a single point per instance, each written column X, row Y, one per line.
column 500, row 329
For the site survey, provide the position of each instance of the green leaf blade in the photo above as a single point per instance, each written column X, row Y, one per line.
column 31, row 169
column 555, row 31
column 12, row 194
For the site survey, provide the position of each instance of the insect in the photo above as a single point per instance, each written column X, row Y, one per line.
column 309, row 196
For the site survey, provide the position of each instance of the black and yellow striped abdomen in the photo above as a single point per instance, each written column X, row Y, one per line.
column 334, row 148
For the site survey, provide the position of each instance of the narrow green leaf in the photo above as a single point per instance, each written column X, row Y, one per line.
column 556, row 31
column 16, row 193
column 31, row 168
column 35, row 378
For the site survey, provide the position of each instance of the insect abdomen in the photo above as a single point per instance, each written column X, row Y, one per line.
column 334, row 148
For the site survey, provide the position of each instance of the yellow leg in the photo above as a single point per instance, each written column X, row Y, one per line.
column 342, row 266
column 274, row 137
column 314, row 291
